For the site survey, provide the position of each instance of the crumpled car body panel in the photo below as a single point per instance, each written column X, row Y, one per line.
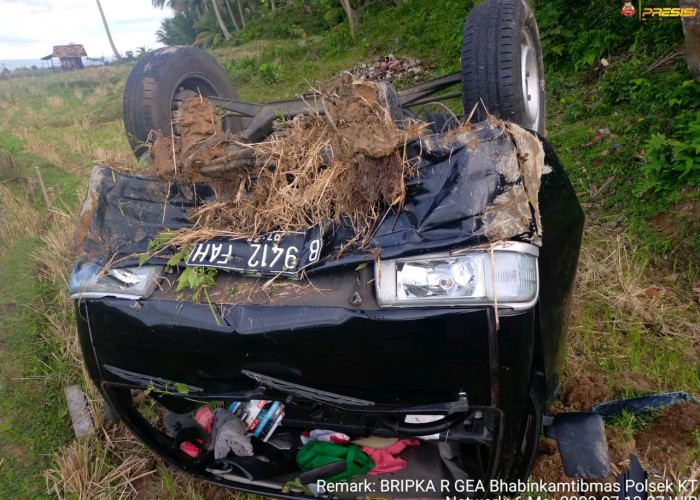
column 449, row 203
column 466, row 193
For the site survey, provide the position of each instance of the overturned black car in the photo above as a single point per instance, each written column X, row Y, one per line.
column 430, row 353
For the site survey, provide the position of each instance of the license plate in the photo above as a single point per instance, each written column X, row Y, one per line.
column 277, row 253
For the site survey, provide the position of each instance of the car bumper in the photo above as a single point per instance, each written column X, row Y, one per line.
column 402, row 361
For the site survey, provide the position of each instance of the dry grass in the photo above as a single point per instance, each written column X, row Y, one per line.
column 252, row 49
column 36, row 144
column 82, row 122
column 54, row 264
column 84, row 471
column 7, row 111
column 627, row 318
column 613, row 270
column 691, row 476
column 102, row 90
column 18, row 218
column 55, row 101
column 32, row 119
column 344, row 164
column 114, row 464
column 9, row 168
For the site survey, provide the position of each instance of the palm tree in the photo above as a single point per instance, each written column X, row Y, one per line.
column 178, row 30
column 197, row 8
column 227, row 35
column 230, row 13
column 194, row 8
column 240, row 11
column 109, row 35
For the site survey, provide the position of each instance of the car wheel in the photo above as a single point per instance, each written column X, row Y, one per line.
column 159, row 84
column 502, row 64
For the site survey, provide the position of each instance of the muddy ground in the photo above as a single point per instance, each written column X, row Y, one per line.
column 662, row 443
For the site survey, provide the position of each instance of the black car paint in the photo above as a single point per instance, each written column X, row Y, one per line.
column 455, row 183
column 398, row 358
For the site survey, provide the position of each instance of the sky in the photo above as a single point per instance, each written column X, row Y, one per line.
column 30, row 28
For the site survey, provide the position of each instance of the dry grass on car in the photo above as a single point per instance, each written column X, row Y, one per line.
column 344, row 164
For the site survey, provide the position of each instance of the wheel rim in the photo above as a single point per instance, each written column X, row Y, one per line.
column 189, row 86
column 530, row 79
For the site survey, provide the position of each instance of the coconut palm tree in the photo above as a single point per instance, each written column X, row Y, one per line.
column 109, row 35
column 195, row 7
column 227, row 35
column 230, row 13
column 178, row 30
column 240, row 12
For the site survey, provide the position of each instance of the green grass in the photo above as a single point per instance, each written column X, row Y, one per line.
column 291, row 65
column 634, row 106
column 65, row 123
column 34, row 416
column 35, row 319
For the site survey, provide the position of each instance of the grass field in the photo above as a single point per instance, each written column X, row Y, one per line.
column 635, row 323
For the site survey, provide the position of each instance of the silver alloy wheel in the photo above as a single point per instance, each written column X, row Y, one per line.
column 530, row 79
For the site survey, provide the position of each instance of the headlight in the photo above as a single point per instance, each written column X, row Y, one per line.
column 91, row 281
column 465, row 277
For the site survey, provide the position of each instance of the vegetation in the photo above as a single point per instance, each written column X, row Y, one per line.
column 635, row 320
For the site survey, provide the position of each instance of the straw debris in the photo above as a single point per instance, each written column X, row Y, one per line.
column 348, row 163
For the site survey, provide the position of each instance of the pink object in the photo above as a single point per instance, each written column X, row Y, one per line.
column 384, row 459
column 204, row 418
column 190, row 449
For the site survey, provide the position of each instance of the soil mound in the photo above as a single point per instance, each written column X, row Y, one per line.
column 584, row 391
column 663, row 447
column 665, row 441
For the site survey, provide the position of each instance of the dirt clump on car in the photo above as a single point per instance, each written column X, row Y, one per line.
column 200, row 143
column 344, row 163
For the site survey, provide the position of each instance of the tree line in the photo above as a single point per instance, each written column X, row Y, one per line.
column 208, row 22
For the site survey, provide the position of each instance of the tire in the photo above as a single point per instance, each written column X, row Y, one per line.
column 161, row 81
column 502, row 64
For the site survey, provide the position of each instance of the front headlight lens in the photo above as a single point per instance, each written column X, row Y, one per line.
column 90, row 281
column 461, row 278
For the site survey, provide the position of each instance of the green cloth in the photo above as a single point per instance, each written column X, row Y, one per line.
column 318, row 453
